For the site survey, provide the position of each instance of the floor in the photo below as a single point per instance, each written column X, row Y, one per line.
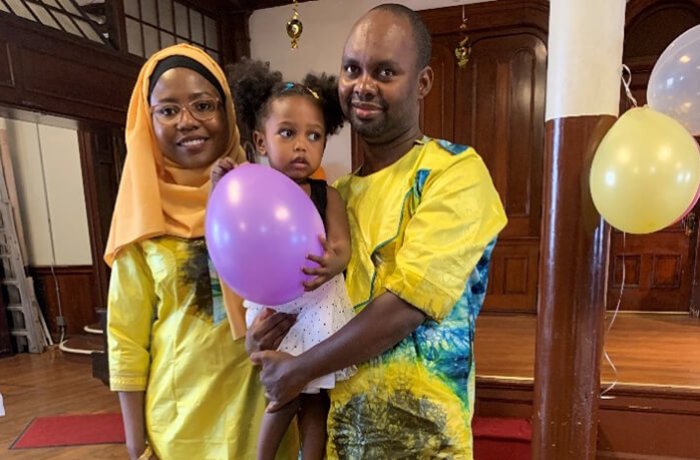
column 648, row 350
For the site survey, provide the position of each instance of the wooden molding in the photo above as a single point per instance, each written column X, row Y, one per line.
column 76, row 286
column 637, row 422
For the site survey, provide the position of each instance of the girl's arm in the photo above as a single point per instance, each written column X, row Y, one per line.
column 336, row 245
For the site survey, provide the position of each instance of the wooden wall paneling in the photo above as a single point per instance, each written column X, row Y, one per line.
column 7, row 78
column 102, row 90
column 513, row 278
column 114, row 12
column 101, row 153
column 647, row 425
column 10, row 91
column 76, row 285
column 65, row 75
column 437, row 115
column 658, row 276
column 235, row 37
column 637, row 423
column 496, row 105
column 503, row 93
column 694, row 304
column 504, row 398
column 651, row 25
column 503, row 15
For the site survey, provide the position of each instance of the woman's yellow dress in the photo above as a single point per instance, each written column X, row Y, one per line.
column 203, row 397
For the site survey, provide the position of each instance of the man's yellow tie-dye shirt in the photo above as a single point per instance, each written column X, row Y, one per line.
column 424, row 229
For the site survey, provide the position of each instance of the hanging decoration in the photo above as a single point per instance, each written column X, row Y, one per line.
column 463, row 51
column 295, row 27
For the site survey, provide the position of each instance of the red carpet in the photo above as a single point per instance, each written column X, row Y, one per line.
column 494, row 438
column 72, row 430
column 501, row 438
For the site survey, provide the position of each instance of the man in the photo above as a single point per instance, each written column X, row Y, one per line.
column 424, row 216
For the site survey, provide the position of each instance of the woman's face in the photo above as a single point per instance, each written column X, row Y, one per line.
column 189, row 118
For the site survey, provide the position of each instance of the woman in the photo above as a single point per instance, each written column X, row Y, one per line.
column 187, row 390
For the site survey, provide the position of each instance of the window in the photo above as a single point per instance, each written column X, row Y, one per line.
column 155, row 24
column 83, row 18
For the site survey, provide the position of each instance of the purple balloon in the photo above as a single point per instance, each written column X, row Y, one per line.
column 260, row 226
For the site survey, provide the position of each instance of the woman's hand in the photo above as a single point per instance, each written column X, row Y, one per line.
column 330, row 264
column 147, row 454
column 136, row 450
column 268, row 330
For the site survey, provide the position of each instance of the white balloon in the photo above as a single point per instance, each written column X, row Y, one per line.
column 674, row 85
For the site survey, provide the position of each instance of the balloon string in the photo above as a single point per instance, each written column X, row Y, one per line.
column 612, row 320
column 626, row 82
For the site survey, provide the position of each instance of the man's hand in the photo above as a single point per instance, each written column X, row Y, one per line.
column 268, row 330
column 282, row 379
column 330, row 265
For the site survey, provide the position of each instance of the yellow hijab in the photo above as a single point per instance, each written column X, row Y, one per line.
column 157, row 196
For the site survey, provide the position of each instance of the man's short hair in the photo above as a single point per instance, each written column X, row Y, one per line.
column 421, row 35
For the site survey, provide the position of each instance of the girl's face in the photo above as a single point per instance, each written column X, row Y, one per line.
column 293, row 136
column 189, row 119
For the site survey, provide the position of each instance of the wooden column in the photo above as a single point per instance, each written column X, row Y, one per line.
column 583, row 81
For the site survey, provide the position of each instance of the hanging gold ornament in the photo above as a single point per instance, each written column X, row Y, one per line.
column 463, row 51
column 295, row 27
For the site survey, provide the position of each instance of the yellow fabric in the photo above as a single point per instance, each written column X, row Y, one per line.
column 156, row 197
column 423, row 228
column 203, row 397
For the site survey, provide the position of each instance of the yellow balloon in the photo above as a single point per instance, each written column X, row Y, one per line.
column 645, row 172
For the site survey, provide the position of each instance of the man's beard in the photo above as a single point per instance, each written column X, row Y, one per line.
column 369, row 129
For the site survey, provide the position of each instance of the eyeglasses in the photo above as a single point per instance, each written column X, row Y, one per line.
column 201, row 109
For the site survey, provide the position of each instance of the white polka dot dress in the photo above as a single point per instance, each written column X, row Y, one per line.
column 320, row 314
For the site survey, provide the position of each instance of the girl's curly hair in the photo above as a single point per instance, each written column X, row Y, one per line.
column 255, row 86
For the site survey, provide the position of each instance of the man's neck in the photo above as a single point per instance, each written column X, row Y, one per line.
column 378, row 156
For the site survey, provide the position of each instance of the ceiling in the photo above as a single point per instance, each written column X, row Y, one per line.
column 259, row 4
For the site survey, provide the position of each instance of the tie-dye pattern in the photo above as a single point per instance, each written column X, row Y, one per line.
column 416, row 400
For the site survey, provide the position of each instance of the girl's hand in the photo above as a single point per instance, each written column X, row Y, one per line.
column 268, row 330
column 221, row 167
column 330, row 264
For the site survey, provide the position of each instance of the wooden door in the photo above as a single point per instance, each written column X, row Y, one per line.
column 660, row 268
column 102, row 151
column 496, row 105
